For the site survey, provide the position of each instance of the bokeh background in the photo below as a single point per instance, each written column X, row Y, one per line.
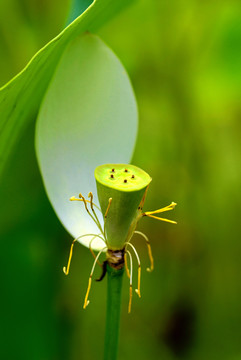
column 184, row 59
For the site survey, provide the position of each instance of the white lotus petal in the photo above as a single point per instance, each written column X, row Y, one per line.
column 88, row 117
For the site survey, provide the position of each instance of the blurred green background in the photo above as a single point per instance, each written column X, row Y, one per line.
column 184, row 59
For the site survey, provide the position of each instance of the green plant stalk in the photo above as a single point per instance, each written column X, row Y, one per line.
column 114, row 287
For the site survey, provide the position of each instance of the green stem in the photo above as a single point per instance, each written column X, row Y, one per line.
column 114, row 288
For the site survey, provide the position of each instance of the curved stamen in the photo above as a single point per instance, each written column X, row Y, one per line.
column 90, row 195
column 73, row 198
column 131, row 267
column 138, row 290
column 149, row 269
column 92, row 217
column 126, row 266
column 66, row 270
column 86, row 302
column 166, row 208
column 91, row 250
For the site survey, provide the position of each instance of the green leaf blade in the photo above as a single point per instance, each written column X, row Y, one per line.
column 21, row 97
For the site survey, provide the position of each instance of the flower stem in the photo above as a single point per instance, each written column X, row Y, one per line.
column 114, row 287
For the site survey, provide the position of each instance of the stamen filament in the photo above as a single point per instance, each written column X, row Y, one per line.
column 90, row 195
column 86, row 302
column 92, row 217
column 130, row 299
column 162, row 219
column 126, row 266
column 93, row 210
column 73, row 198
column 149, row 269
column 166, row 208
column 91, row 250
column 66, row 270
column 131, row 267
column 138, row 290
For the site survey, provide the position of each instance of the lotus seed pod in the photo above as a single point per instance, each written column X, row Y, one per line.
column 125, row 185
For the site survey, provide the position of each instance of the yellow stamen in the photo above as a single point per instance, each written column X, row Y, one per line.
column 85, row 202
column 149, row 269
column 130, row 296
column 130, row 300
column 91, row 250
column 162, row 219
column 90, row 195
column 138, row 290
column 95, row 219
column 73, row 198
column 126, row 266
column 66, row 271
column 86, row 302
column 166, row 208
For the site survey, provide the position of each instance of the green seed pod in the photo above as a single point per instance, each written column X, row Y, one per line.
column 125, row 185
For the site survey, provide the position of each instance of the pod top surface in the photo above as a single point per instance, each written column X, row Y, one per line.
column 122, row 177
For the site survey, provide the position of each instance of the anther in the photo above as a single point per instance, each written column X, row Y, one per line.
column 113, row 170
column 126, row 170
column 125, row 181
column 133, row 177
column 112, row 176
column 130, row 299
